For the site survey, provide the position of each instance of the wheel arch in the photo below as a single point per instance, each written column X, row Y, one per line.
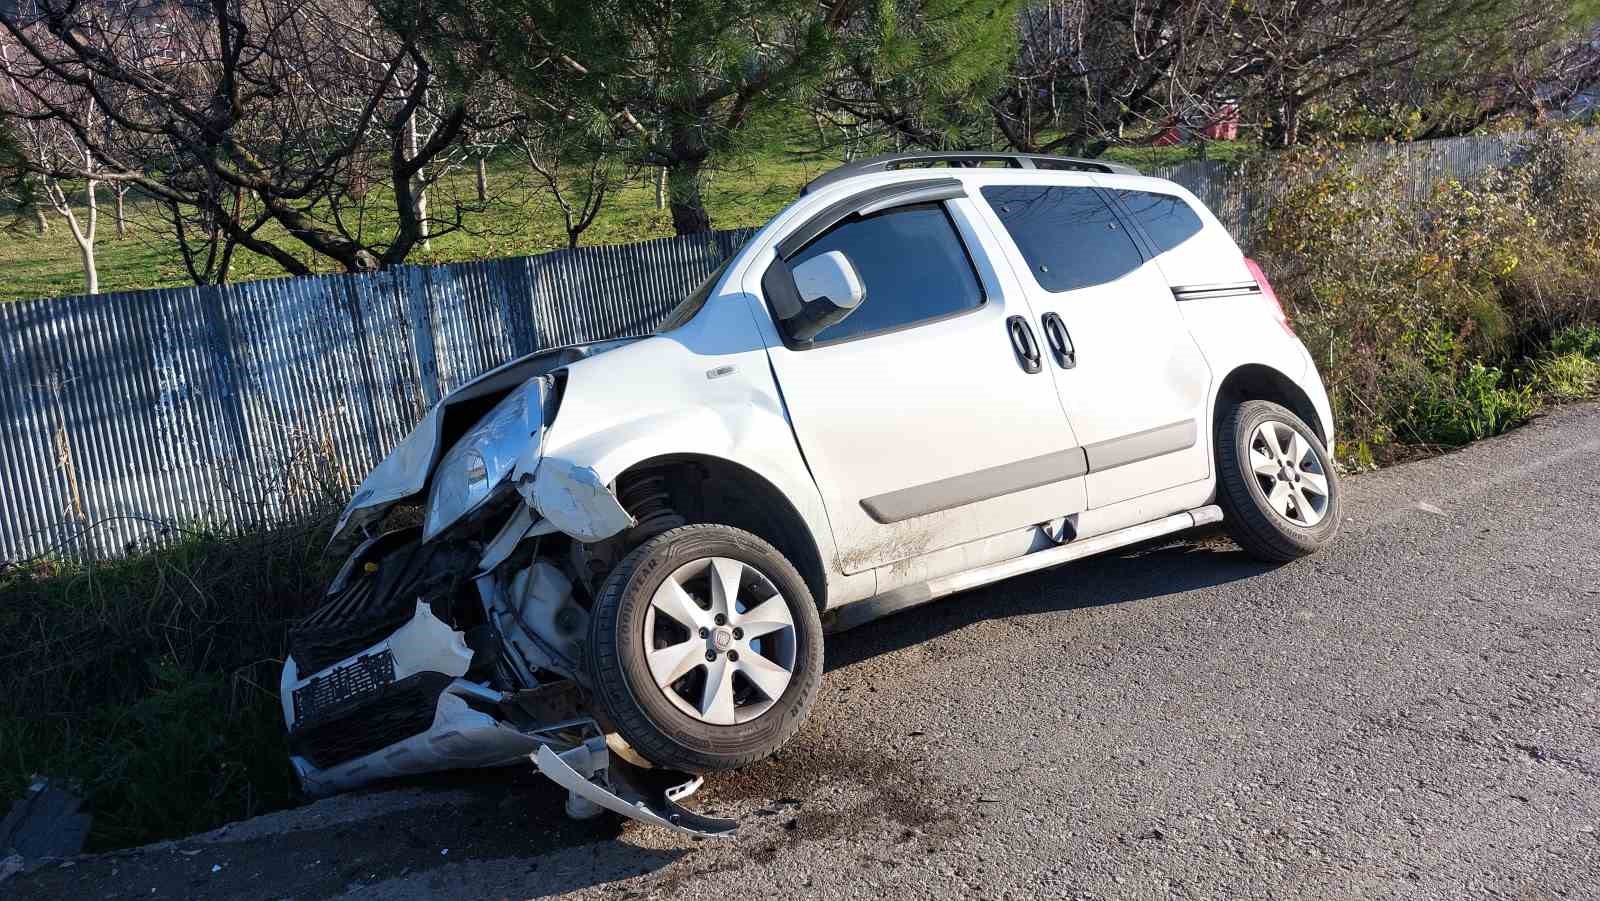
column 710, row 489
column 1255, row 381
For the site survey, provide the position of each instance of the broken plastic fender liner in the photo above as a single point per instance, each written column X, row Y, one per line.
column 575, row 501
column 674, row 818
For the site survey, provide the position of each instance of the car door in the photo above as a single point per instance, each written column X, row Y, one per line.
column 1131, row 378
column 923, row 426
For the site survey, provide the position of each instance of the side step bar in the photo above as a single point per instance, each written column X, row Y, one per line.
column 863, row 612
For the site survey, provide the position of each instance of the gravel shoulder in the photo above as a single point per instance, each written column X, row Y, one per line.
column 1413, row 714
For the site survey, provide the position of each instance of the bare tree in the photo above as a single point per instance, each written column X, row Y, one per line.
column 1090, row 75
column 241, row 113
column 61, row 173
column 1053, row 76
column 1458, row 63
column 83, row 228
column 1087, row 75
column 1539, row 59
column 578, row 188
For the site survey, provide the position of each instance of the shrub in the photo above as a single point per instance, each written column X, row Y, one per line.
column 1420, row 309
column 1583, row 340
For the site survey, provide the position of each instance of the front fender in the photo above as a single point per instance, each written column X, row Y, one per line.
column 759, row 440
column 661, row 398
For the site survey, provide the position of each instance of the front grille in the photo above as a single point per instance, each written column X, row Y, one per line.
column 366, row 676
column 380, row 598
column 346, row 731
column 357, row 618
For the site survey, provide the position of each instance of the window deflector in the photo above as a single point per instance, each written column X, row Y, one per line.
column 874, row 200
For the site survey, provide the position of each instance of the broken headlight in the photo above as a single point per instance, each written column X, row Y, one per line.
column 485, row 456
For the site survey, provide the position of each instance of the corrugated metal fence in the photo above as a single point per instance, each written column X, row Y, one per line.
column 121, row 414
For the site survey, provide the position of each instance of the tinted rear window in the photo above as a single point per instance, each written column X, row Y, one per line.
column 1069, row 235
column 1168, row 220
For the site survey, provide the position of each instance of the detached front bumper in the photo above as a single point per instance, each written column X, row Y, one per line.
column 415, row 701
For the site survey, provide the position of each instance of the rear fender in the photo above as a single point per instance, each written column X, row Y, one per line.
column 1237, row 332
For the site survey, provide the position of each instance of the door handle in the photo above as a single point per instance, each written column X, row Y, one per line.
column 1055, row 332
column 1024, row 344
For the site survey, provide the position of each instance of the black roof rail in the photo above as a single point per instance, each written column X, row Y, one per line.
column 964, row 159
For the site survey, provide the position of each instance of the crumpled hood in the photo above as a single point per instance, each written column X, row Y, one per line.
column 404, row 474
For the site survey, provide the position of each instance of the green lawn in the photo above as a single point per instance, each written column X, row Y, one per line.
column 745, row 192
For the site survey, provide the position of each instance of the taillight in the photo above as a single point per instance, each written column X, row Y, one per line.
column 1278, row 312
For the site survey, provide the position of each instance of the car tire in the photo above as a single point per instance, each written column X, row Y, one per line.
column 1287, row 513
column 637, row 649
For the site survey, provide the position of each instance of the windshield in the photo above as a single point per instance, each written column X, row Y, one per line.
column 691, row 305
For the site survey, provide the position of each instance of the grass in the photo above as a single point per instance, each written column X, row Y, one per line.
column 745, row 192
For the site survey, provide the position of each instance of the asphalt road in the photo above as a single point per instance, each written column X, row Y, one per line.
column 1413, row 714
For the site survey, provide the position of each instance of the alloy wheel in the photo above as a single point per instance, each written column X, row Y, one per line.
column 720, row 641
column 1290, row 473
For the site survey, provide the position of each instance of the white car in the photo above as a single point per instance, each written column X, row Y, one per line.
column 926, row 374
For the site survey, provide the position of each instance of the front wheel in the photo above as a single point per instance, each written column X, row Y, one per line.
column 706, row 649
column 1277, row 487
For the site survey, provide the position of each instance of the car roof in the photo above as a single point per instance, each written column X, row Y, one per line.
column 963, row 160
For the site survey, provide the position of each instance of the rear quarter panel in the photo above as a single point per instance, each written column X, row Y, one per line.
column 1231, row 331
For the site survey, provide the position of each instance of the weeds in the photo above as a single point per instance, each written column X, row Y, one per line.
column 1571, row 368
column 1458, row 408
column 1580, row 340
column 151, row 680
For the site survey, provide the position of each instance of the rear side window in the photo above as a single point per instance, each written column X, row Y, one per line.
column 1069, row 235
column 1168, row 220
column 912, row 264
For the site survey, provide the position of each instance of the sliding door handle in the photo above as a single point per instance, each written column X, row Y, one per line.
column 1024, row 345
column 1055, row 332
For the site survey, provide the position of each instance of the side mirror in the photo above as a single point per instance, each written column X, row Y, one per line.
column 829, row 290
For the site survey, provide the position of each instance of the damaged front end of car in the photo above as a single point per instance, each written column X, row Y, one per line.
column 460, row 641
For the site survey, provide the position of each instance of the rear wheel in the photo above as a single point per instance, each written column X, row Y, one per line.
column 706, row 649
column 1277, row 487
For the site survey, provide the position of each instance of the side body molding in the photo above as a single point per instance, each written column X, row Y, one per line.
column 1143, row 445
column 946, row 494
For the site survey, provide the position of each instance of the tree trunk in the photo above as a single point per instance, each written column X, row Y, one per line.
column 661, row 188
column 40, row 223
column 122, row 221
column 1291, row 126
column 422, row 190
column 82, row 232
column 1283, row 125
column 422, row 219
column 483, row 180
column 91, row 270
column 686, row 176
column 685, row 182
